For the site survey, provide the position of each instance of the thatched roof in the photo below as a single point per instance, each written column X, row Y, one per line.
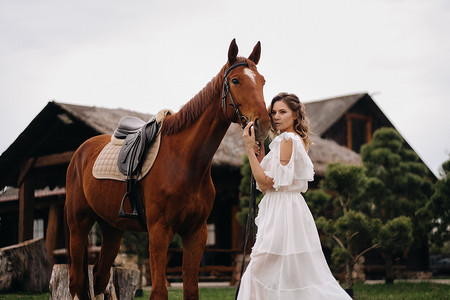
column 322, row 152
column 232, row 149
column 104, row 120
column 323, row 114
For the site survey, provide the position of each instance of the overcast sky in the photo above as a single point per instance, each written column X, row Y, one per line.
column 149, row 55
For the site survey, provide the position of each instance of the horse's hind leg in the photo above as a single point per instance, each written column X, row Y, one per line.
column 193, row 246
column 111, row 238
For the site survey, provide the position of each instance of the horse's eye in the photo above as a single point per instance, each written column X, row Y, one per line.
column 235, row 81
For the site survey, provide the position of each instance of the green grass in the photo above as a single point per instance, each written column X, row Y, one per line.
column 44, row 296
column 402, row 291
column 397, row 291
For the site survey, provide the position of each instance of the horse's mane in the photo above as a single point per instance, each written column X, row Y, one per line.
column 193, row 109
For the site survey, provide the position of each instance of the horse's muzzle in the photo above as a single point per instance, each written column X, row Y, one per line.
column 261, row 129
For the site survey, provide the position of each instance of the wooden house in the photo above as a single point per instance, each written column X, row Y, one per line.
column 32, row 180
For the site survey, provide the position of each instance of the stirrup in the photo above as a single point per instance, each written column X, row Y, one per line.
column 123, row 214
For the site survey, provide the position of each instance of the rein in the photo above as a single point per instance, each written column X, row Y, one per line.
column 250, row 225
column 226, row 90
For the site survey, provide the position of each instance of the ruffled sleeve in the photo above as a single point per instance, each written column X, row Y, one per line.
column 297, row 172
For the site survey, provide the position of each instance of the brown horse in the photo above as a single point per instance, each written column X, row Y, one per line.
column 178, row 193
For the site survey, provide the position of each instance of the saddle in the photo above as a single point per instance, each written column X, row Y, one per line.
column 138, row 135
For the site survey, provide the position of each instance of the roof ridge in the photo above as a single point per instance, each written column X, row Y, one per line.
column 359, row 95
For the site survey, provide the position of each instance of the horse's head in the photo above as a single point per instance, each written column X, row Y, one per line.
column 243, row 91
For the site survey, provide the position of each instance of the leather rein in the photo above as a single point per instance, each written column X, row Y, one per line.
column 226, row 91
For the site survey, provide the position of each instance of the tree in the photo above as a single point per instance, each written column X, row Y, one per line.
column 244, row 190
column 352, row 230
column 437, row 208
column 356, row 231
column 394, row 236
column 397, row 186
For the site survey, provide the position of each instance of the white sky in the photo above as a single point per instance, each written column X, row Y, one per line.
column 148, row 55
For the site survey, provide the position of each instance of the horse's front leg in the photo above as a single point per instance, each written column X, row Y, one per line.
column 159, row 237
column 111, row 238
column 79, row 221
column 193, row 246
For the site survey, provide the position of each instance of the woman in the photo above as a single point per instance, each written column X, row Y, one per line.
column 287, row 261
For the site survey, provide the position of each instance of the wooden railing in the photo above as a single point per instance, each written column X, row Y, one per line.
column 226, row 272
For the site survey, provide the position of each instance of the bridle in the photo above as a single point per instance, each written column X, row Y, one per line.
column 226, row 90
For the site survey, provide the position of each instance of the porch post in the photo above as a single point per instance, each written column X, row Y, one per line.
column 26, row 210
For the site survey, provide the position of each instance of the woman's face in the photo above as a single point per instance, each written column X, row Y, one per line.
column 282, row 117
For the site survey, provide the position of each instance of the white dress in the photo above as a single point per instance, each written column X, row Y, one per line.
column 287, row 262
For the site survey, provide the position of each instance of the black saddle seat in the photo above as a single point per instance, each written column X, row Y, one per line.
column 138, row 135
column 128, row 125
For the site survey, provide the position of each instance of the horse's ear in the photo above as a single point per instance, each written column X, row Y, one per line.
column 232, row 52
column 256, row 53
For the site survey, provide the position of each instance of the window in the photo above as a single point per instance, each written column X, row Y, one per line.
column 359, row 130
column 38, row 228
column 211, row 241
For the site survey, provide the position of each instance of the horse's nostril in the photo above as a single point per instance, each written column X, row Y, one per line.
column 256, row 123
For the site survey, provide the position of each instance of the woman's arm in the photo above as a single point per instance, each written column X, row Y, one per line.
column 286, row 151
column 264, row 182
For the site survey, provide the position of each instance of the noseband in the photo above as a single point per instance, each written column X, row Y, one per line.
column 226, row 90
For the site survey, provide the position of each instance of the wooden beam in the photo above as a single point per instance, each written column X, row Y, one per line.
column 54, row 159
column 44, row 161
column 54, row 230
column 369, row 129
column 357, row 116
column 25, row 169
column 26, row 210
column 349, row 130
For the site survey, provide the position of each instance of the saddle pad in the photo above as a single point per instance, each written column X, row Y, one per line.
column 105, row 166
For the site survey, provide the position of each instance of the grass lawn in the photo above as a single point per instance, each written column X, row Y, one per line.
column 397, row 291
column 402, row 291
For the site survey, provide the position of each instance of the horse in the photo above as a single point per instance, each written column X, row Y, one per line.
column 177, row 193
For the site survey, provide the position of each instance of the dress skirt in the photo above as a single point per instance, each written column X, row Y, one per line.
column 287, row 261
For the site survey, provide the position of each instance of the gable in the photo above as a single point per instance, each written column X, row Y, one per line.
column 350, row 121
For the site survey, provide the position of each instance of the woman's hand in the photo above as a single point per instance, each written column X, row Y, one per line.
column 253, row 147
column 249, row 137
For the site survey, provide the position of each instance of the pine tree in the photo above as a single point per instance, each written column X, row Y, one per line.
column 397, row 186
column 437, row 208
column 351, row 230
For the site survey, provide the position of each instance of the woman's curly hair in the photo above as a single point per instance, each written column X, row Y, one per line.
column 301, row 123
